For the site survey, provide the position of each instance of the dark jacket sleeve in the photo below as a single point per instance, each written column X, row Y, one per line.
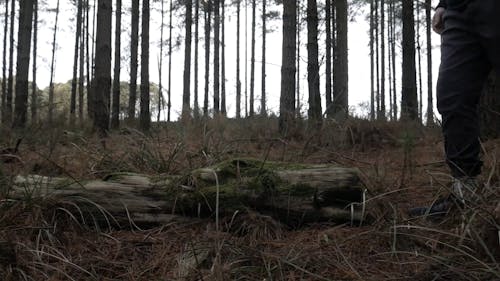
column 442, row 4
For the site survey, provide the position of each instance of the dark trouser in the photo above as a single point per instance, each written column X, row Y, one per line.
column 470, row 49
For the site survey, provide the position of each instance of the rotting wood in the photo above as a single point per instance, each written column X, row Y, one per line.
column 294, row 194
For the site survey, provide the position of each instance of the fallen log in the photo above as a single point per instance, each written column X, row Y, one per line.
column 294, row 194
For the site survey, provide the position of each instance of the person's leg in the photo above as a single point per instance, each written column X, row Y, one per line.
column 464, row 68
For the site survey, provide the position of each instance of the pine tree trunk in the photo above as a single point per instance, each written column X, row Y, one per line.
column 430, row 103
column 419, row 66
column 238, row 70
column 145, row 116
column 10, row 82
column 208, row 20
column 160, row 65
column 389, row 58
column 169, row 102
column 52, row 66
column 328, row 54
column 287, row 95
column 81, row 82
column 298, row 58
column 115, row 116
column 409, row 104
column 382, row 60
column 314, row 112
column 4, row 60
column 252, row 60
column 372, row 61
column 34, row 94
column 134, row 51
column 246, row 58
column 103, row 68
column 341, row 101
column 216, row 57
column 394, row 76
column 23, row 63
column 74, row 81
column 87, row 62
column 377, row 58
column 223, row 108
column 186, row 97
column 196, row 59
column 263, row 108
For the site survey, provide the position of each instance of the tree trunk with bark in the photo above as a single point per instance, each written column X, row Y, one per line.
column 74, row 81
column 103, row 68
column 287, row 96
column 372, row 60
column 145, row 115
column 115, row 115
column 134, row 51
column 382, row 112
column 341, row 74
column 169, row 102
column 263, row 107
column 328, row 55
column 238, row 60
column 4, row 66
column 409, row 103
column 34, row 89
column 23, row 63
column 223, row 108
column 315, row 111
column 52, row 68
column 430, row 102
column 294, row 194
column 208, row 20
column 186, row 96
column 252, row 60
column 10, row 81
column 216, row 7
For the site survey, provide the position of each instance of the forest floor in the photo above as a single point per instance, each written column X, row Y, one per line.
column 401, row 165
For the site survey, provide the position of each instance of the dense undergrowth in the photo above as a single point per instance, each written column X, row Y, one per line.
column 401, row 166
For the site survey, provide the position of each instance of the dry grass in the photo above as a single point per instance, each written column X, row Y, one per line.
column 400, row 164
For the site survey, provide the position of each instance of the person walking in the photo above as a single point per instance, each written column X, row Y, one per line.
column 470, row 50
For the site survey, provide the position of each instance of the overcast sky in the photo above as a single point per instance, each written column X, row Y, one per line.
column 359, row 59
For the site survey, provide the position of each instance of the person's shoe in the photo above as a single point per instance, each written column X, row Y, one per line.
column 463, row 192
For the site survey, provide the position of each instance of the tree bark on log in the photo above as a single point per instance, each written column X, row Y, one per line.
column 294, row 194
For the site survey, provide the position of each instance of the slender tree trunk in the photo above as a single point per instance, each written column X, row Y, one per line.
column 341, row 101
column 4, row 66
column 287, row 96
column 409, row 103
column 216, row 57
column 372, row 61
column 145, row 116
column 186, row 97
column 430, row 103
column 196, row 59
column 263, row 107
column 34, row 94
column 169, row 102
column 23, row 63
column 238, row 70
column 103, row 68
column 74, row 81
column 160, row 65
column 115, row 115
column 208, row 15
column 419, row 61
column 315, row 111
column 87, row 54
column 377, row 58
column 252, row 60
column 246, row 58
column 81, row 83
column 394, row 76
column 10, row 84
column 382, row 60
column 328, row 53
column 134, row 51
column 389, row 58
column 299, row 28
column 223, row 108
column 52, row 66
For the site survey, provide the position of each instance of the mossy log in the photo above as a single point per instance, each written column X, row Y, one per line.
column 294, row 194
